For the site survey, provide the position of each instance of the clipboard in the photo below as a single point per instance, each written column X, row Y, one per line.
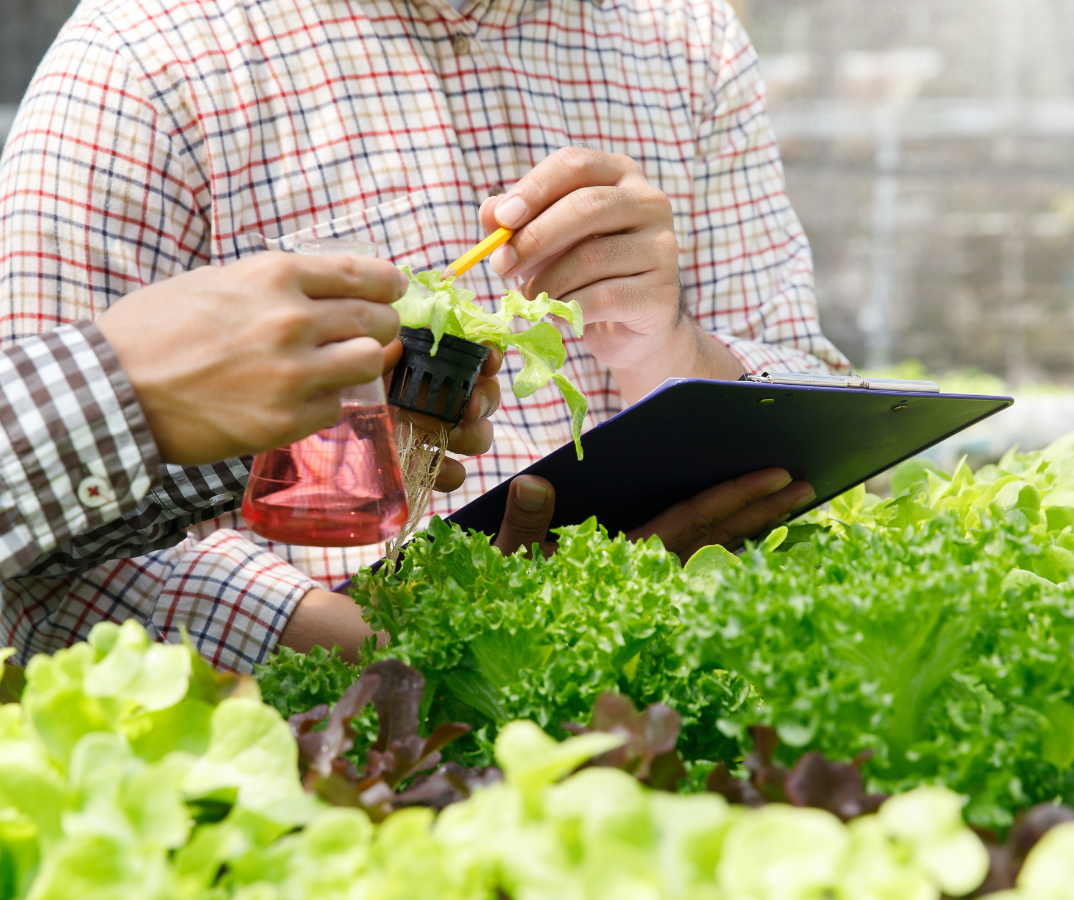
column 691, row 434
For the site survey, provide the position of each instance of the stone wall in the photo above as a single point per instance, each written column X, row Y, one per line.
column 929, row 149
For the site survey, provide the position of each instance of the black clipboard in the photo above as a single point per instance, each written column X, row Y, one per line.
column 691, row 434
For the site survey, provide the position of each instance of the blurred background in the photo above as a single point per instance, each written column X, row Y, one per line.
column 928, row 146
column 929, row 150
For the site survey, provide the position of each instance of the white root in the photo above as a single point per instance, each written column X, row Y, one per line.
column 421, row 454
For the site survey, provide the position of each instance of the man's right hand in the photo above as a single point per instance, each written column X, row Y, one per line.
column 726, row 514
column 235, row 360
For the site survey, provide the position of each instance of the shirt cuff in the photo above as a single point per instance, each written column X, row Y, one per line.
column 757, row 357
column 75, row 447
column 232, row 597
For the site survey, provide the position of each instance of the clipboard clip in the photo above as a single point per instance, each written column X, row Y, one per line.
column 847, row 381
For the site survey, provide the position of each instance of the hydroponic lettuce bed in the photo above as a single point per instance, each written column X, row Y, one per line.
column 823, row 716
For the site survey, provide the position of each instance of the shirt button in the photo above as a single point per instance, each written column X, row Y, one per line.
column 225, row 497
column 94, row 492
column 460, row 44
column 497, row 191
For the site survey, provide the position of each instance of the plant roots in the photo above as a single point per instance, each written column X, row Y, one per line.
column 421, row 454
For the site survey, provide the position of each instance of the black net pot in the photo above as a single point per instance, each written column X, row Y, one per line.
column 439, row 386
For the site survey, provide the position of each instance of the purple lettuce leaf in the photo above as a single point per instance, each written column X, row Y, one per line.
column 398, row 754
column 813, row 781
column 649, row 753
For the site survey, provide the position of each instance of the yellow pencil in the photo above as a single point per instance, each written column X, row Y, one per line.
column 472, row 257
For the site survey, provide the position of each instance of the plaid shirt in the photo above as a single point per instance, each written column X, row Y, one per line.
column 75, row 449
column 159, row 135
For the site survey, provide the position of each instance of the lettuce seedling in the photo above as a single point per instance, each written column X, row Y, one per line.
column 435, row 303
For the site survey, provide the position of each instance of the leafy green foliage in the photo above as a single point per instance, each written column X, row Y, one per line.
column 500, row 638
column 435, row 303
column 117, row 749
column 930, row 637
column 933, row 630
column 921, row 651
column 296, row 682
column 130, row 770
column 600, row 834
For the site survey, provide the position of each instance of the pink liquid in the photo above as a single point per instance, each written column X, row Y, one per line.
column 340, row 487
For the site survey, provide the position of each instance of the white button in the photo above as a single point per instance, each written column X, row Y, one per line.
column 225, row 497
column 95, row 492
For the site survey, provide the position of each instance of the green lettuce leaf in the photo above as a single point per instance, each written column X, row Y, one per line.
column 252, row 756
column 578, row 406
column 542, row 348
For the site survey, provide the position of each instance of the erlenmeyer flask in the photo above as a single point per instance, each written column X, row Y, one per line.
column 340, row 487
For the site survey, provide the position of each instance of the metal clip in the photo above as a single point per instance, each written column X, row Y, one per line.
column 849, row 381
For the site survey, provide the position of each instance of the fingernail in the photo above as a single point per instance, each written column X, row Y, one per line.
column 503, row 260
column 779, row 484
column 485, row 404
column 511, row 212
column 531, row 495
column 404, row 282
column 806, row 498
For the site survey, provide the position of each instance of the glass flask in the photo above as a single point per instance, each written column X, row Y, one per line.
column 342, row 486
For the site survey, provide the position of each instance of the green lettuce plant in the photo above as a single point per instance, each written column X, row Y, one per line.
column 437, row 304
column 119, row 756
column 599, row 834
column 932, row 630
column 130, row 770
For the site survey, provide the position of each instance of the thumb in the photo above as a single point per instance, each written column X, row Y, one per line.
column 392, row 354
column 530, row 503
column 487, row 214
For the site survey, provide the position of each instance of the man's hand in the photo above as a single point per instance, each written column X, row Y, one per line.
column 726, row 514
column 234, row 360
column 530, row 503
column 473, row 435
column 326, row 619
column 589, row 227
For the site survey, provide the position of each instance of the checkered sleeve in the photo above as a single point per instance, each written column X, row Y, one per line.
column 750, row 279
column 99, row 197
column 75, row 449
column 232, row 597
column 185, row 496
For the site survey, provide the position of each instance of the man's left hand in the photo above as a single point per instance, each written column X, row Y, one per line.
column 589, row 227
column 473, row 435
column 725, row 514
